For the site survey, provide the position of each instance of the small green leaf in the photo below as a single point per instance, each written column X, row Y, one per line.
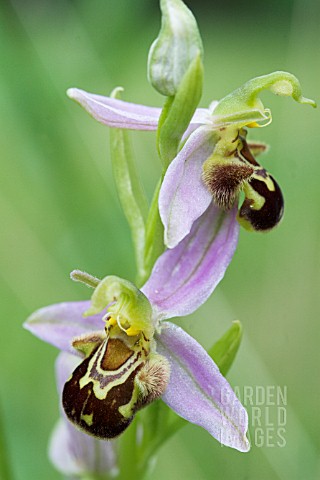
column 131, row 195
column 178, row 112
column 175, row 48
column 224, row 350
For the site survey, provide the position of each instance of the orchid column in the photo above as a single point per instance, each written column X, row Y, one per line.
column 119, row 351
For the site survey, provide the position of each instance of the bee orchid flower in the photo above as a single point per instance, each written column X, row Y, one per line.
column 215, row 161
column 130, row 354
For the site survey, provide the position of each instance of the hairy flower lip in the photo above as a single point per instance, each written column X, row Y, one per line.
column 73, row 452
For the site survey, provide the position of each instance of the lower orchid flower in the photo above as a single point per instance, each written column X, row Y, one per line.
column 128, row 352
column 215, row 161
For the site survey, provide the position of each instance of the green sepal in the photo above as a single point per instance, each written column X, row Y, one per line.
column 130, row 192
column 225, row 349
column 243, row 106
column 175, row 48
column 124, row 301
column 178, row 112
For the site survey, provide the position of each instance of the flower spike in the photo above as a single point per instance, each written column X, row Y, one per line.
column 177, row 45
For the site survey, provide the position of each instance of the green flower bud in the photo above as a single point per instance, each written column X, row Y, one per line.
column 177, row 45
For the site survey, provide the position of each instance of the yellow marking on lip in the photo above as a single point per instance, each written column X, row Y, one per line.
column 94, row 371
column 257, row 200
column 88, row 419
column 268, row 181
column 131, row 331
column 253, row 125
column 111, row 321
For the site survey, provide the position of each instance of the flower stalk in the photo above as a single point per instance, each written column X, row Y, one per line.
column 178, row 112
column 131, row 195
column 154, row 244
column 120, row 352
column 5, row 464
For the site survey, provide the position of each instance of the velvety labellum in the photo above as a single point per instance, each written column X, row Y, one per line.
column 263, row 206
column 119, row 377
column 269, row 215
column 94, row 393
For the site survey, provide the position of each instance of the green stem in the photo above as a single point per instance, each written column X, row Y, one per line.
column 5, row 469
column 128, row 454
column 154, row 245
column 153, row 447
column 158, row 423
column 173, row 122
column 130, row 192
column 178, row 112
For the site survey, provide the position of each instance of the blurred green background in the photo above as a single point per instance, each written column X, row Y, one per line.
column 59, row 211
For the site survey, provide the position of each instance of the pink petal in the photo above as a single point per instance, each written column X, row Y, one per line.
column 58, row 324
column 198, row 392
column 75, row 453
column 183, row 195
column 183, row 278
column 117, row 113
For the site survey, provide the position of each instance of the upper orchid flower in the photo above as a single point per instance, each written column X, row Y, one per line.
column 214, row 161
column 132, row 356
